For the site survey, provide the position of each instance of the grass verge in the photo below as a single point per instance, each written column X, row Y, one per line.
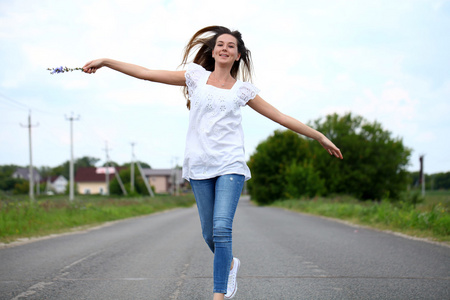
column 430, row 219
column 20, row 219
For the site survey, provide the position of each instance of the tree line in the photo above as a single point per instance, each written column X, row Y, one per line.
column 287, row 165
column 436, row 181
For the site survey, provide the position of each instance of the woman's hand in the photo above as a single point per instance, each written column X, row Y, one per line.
column 92, row 66
column 330, row 147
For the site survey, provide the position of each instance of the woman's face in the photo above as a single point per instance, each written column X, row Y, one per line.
column 226, row 49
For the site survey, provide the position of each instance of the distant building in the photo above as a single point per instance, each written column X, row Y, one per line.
column 92, row 180
column 57, row 184
column 24, row 173
column 165, row 180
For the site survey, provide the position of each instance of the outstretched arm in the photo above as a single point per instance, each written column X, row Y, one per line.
column 267, row 110
column 161, row 76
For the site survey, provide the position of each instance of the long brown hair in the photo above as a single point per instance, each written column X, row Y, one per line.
column 205, row 40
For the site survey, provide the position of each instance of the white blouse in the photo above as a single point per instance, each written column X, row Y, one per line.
column 215, row 139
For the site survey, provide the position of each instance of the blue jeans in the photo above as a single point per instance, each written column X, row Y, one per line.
column 217, row 199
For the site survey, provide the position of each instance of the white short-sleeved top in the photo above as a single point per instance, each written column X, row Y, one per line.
column 215, row 139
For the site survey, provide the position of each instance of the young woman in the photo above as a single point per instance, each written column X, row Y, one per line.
column 214, row 160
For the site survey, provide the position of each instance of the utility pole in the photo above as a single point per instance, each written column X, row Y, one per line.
column 149, row 188
column 175, row 187
column 71, row 193
column 31, row 173
column 132, row 168
column 422, row 174
column 107, row 168
column 119, row 180
column 172, row 175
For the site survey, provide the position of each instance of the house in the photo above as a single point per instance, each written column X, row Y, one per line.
column 165, row 180
column 91, row 180
column 57, row 184
column 24, row 173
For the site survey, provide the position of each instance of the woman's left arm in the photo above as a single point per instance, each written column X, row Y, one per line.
column 267, row 110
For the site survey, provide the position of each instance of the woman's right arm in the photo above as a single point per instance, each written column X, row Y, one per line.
column 161, row 76
column 267, row 110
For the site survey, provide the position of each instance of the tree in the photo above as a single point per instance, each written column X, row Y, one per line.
column 45, row 172
column 374, row 164
column 439, row 181
column 86, row 161
column 270, row 162
column 303, row 180
column 143, row 165
column 125, row 175
column 64, row 168
column 7, row 182
column 287, row 165
column 110, row 164
column 21, row 187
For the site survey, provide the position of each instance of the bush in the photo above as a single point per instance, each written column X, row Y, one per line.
column 303, row 180
column 270, row 162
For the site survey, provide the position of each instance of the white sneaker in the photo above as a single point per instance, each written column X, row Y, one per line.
column 232, row 283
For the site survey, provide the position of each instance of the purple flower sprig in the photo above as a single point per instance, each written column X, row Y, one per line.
column 63, row 69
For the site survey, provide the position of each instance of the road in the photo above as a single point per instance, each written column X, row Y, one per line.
column 284, row 255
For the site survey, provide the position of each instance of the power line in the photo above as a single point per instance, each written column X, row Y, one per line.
column 22, row 106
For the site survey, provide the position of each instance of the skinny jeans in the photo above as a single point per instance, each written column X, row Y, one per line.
column 217, row 199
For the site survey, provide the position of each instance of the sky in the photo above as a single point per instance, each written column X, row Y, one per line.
column 384, row 60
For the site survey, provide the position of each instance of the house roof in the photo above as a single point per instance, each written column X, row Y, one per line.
column 52, row 179
column 25, row 173
column 158, row 172
column 92, row 174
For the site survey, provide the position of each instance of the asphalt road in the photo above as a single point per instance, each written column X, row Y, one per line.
column 284, row 255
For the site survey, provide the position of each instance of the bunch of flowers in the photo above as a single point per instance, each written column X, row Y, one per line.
column 62, row 70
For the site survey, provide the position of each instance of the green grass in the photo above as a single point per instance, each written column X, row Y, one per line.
column 429, row 219
column 19, row 218
column 436, row 198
